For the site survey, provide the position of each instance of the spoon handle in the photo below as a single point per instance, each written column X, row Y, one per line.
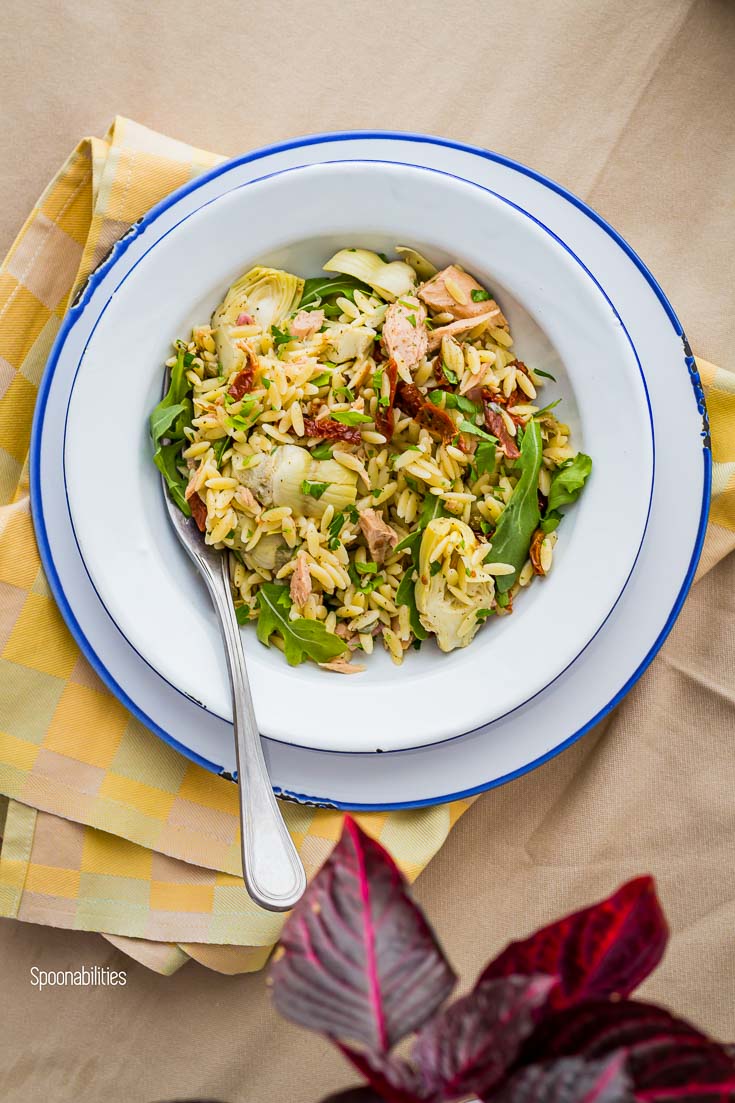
column 273, row 872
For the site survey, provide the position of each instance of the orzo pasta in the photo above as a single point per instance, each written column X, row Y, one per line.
column 371, row 453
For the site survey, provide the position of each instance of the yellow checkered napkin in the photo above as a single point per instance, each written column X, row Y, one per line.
column 106, row 828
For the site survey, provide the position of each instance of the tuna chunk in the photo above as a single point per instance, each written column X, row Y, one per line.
column 457, row 298
column 404, row 332
column 463, row 325
column 307, row 323
column 301, row 581
column 381, row 538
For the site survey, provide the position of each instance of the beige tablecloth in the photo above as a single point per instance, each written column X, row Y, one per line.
column 631, row 105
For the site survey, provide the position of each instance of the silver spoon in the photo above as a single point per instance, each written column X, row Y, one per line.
column 273, row 872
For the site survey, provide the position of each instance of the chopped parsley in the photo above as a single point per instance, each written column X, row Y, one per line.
column 366, row 568
column 344, row 393
column 454, row 402
column 435, row 567
column 479, row 295
column 312, row 489
column 279, row 337
column 323, row 450
column 448, row 373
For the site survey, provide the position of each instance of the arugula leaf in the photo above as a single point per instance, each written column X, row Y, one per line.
column 435, row 567
column 322, row 379
column 432, row 508
column 454, row 402
column 243, row 611
column 545, row 409
column 550, row 522
column 323, row 450
column 368, row 567
column 521, row 516
column 163, row 418
column 479, row 296
column 544, row 374
column 165, row 458
column 483, row 614
column 448, row 373
column 485, row 455
column 350, row 417
column 412, row 319
column 567, row 483
column 326, row 287
column 406, row 592
column 303, row 639
column 175, row 397
column 502, row 598
column 476, row 431
column 313, row 489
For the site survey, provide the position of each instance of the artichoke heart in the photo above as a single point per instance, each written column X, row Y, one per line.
column 269, row 295
column 270, row 553
column 290, row 477
column 421, row 265
column 346, row 342
column 453, row 621
column 390, row 279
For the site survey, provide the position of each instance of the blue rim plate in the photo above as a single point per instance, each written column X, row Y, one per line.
column 297, row 772
column 351, row 699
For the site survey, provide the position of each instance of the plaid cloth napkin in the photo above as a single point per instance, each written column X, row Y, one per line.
column 106, row 828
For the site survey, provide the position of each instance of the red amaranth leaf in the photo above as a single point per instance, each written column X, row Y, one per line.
column 604, row 950
column 358, row 960
column 667, row 1058
column 354, row 1095
column 392, row 1077
column 570, row 1080
column 469, row 1045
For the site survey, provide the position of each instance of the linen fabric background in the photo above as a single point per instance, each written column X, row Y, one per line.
column 630, row 105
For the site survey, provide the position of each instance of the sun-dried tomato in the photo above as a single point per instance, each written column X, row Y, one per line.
column 437, row 421
column 384, row 420
column 409, row 398
column 198, row 511
column 242, row 383
column 326, row 428
column 495, row 424
column 431, row 417
column 534, row 552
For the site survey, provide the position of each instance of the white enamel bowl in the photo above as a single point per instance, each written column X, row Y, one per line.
column 562, row 321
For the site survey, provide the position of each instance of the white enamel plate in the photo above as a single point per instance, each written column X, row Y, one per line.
column 578, row 299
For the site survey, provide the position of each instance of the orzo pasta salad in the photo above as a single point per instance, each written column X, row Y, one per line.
column 370, row 452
